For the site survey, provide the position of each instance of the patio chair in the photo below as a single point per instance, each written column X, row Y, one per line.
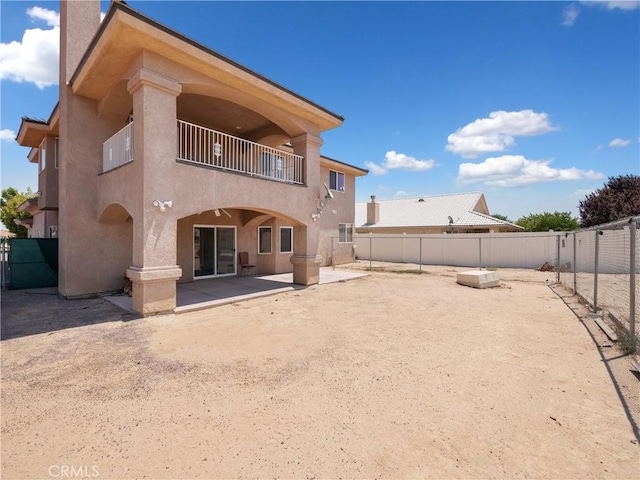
column 243, row 260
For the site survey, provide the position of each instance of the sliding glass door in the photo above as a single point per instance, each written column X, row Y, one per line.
column 214, row 251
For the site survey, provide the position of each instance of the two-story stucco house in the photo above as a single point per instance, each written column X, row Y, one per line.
column 172, row 159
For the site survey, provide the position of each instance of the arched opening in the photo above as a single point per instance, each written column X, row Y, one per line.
column 208, row 242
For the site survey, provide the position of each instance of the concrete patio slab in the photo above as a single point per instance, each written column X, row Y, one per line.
column 213, row 292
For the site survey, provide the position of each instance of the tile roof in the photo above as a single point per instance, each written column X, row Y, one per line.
column 430, row 211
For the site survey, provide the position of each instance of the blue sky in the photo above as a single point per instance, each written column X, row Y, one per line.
column 533, row 103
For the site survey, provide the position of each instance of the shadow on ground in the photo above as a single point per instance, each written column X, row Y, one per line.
column 616, row 362
column 35, row 311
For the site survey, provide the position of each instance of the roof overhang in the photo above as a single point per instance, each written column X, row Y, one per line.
column 125, row 34
column 343, row 167
column 33, row 131
column 30, row 205
column 24, row 222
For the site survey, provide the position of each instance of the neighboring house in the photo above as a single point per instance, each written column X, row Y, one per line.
column 454, row 213
column 173, row 158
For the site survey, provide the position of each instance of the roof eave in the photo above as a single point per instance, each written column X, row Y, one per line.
column 324, row 117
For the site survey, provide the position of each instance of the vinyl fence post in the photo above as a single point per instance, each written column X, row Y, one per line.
column 595, row 272
column 370, row 248
column 575, row 265
column 480, row 251
column 558, row 259
column 420, row 262
column 632, row 283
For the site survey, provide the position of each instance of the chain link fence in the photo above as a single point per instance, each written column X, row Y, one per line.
column 601, row 266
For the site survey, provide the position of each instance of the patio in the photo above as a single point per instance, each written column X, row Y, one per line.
column 213, row 292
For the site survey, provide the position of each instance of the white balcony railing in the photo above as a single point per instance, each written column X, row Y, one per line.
column 118, row 150
column 214, row 149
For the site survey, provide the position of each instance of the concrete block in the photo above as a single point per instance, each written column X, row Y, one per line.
column 478, row 279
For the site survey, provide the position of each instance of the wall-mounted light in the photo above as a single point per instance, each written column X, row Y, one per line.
column 321, row 203
column 162, row 205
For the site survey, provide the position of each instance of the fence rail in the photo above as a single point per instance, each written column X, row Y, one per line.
column 598, row 264
column 118, row 150
column 211, row 148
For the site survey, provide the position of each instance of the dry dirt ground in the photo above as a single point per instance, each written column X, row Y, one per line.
column 387, row 376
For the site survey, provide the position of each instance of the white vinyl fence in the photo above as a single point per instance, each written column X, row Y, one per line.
column 498, row 250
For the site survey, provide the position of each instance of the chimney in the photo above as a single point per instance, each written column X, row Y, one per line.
column 373, row 211
column 79, row 21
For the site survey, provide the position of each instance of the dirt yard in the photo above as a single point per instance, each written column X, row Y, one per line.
column 386, row 376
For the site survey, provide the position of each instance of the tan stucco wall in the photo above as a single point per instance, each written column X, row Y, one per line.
column 48, row 178
column 340, row 209
column 108, row 222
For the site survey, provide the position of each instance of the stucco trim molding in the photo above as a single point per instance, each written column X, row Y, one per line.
column 154, row 274
column 144, row 76
column 306, row 259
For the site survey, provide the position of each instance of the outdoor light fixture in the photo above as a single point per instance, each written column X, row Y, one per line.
column 321, row 203
column 162, row 205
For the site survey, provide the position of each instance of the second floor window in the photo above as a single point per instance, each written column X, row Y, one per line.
column 336, row 181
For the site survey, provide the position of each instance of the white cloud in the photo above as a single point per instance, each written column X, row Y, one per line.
column 516, row 170
column 496, row 133
column 7, row 135
column 612, row 5
column 35, row 58
column 570, row 13
column 401, row 193
column 50, row 17
column 375, row 168
column 619, row 142
column 400, row 161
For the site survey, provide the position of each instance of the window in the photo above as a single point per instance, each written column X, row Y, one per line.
column 286, row 239
column 43, row 156
column 336, row 181
column 264, row 240
column 345, row 233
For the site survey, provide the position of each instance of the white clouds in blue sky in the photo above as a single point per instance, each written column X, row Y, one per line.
column 35, row 58
column 570, row 14
column 571, row 11
column 484, row 93
column 619, row 142
column 517, row 171
column 400, row 161
column 497, row 132
column 7, row 135
column 613, row 4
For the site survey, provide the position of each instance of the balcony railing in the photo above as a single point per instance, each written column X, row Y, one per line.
column 215, row 149
column 118, row 150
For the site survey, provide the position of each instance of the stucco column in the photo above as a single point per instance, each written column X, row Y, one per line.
column 154, row 271
column 305, row 259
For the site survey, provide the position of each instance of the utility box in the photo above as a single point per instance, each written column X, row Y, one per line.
column 478, row 279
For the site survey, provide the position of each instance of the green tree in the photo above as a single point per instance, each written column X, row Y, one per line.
column 543, row 222
column 9, row 203
column 504, row 218
column 619, row 198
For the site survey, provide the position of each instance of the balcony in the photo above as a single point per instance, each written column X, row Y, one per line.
column 118, row 150
column 210, row 148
